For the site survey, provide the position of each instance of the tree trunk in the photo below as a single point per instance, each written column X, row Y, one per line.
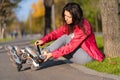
column 111, row 27
column 48, row 7
column 2, row 33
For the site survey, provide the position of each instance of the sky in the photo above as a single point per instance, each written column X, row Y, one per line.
column 23, row 12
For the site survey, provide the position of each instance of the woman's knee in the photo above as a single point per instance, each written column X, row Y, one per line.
column 64, row 36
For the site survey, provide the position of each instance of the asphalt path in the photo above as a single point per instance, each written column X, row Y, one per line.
column 52, row 70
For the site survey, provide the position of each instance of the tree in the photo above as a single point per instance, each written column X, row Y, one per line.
column 38, row 9
column 48, row 8
column 111, row 27
column 6, row 10
column 38, row 17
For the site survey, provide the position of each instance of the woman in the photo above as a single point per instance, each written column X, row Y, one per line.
column 74, row 40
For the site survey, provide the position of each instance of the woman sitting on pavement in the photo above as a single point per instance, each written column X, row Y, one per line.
column 74, row 40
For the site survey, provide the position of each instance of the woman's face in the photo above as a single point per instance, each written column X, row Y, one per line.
column 68, row 17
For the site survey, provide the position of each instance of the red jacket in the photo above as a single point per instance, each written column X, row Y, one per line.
column 85, row 41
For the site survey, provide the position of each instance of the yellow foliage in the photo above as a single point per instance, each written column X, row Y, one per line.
column 56, row 1
column 38, row 9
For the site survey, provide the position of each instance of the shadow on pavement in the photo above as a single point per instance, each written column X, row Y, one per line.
column 48, row 64
column 51, row 63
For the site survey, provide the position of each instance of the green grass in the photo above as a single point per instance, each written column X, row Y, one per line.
column 109, row 65
column 99, row 41
column 5, row 39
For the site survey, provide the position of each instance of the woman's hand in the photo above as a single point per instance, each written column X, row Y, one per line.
column 47, row 56
column 38, row 42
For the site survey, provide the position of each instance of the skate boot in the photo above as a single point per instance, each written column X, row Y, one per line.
column 14, row 57
column 32, row 58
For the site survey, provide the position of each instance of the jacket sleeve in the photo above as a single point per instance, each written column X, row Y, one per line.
column 55, row 34
column 79, row 37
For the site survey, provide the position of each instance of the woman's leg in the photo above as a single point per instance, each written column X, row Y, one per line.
column 80, row 57
column 57, row 43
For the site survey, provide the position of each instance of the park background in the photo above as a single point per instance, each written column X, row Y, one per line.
column 29, row 15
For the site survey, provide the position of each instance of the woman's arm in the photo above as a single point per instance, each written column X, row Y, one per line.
column 55, row 34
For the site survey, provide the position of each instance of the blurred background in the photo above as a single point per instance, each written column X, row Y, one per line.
column 19, row 18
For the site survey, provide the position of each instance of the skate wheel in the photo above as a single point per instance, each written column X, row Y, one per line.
column 8, row 54
column 23, row 57
column 29, row 61
column 13, row 62
column 34, row 68
column 11, row 59
column 14, row 65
